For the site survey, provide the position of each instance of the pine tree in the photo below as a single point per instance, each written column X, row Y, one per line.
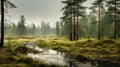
column 33, row 29
column 21, row 29
column 57, row 28
column 113, row 9
column 67, row 18
column 2, row 24
column 72, row 10
column 6, row 3
column 98, row 4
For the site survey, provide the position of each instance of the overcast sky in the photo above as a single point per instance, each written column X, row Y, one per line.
column 36, row 11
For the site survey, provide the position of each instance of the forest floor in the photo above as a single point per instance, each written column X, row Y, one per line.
column 92, row 49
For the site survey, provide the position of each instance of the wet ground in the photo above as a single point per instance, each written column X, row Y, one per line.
column 51, row 56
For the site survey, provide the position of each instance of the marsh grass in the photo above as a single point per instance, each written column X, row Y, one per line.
column 9, row 59
column 90, row 48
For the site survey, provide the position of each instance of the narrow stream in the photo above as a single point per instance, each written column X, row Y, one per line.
column 51, row 56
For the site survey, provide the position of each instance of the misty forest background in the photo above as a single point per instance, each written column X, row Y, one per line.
column 103, row 21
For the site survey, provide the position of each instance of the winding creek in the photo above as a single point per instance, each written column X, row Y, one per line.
column 51, row 56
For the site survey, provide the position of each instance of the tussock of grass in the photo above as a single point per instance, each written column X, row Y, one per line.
column 14, row 65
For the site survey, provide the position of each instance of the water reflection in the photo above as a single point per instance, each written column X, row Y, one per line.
column 50, row 56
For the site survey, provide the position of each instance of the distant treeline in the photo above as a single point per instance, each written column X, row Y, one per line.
column 21, row 29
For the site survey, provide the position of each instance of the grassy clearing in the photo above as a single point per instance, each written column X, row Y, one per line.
column 89, row 48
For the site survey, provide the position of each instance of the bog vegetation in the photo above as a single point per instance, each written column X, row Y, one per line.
column 94, row 35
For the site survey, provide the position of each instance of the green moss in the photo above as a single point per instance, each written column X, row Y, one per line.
column 14, row 65
column 108, row 41
column 97, row 44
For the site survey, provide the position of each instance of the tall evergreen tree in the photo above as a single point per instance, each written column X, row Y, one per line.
column 57, row 28
column 33, row 29
column 98, row 4
column 21, row 29
column 113, row 9
column 79, row 13
column 2, row 24
column 72, row 10
column 67, row 18
column 11, row 5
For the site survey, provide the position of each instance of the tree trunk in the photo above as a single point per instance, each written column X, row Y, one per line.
column 115, row 24
column 77, row 27
column 74, row 22
column 70, row 24
column 2, row 23
column 99, row 32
